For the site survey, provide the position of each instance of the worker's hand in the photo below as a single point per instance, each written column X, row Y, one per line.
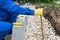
column 39, row 12
column 17, row 23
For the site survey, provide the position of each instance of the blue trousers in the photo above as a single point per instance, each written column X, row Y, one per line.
column 5, row 28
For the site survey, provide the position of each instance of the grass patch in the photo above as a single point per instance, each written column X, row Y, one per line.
column 51, row 4
column 57, row 5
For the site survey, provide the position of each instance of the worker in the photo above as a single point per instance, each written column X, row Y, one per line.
column 9, row 11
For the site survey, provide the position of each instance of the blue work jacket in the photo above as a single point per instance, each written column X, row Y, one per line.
column 9, row 10
column 8, row 14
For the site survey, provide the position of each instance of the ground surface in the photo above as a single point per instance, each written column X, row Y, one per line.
column 33, row 29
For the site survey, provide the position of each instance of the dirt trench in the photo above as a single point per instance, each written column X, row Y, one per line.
column 53, row 15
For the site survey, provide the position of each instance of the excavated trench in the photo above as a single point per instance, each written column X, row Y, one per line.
column 53, row 15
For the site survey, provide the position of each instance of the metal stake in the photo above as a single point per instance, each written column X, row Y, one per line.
column 42, row 28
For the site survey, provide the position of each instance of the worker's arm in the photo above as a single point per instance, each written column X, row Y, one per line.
column 12, row 7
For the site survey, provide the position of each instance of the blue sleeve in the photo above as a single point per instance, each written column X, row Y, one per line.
column 12, row 7
column 5, row 28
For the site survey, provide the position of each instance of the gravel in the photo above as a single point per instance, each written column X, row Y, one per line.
column 33, row 29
